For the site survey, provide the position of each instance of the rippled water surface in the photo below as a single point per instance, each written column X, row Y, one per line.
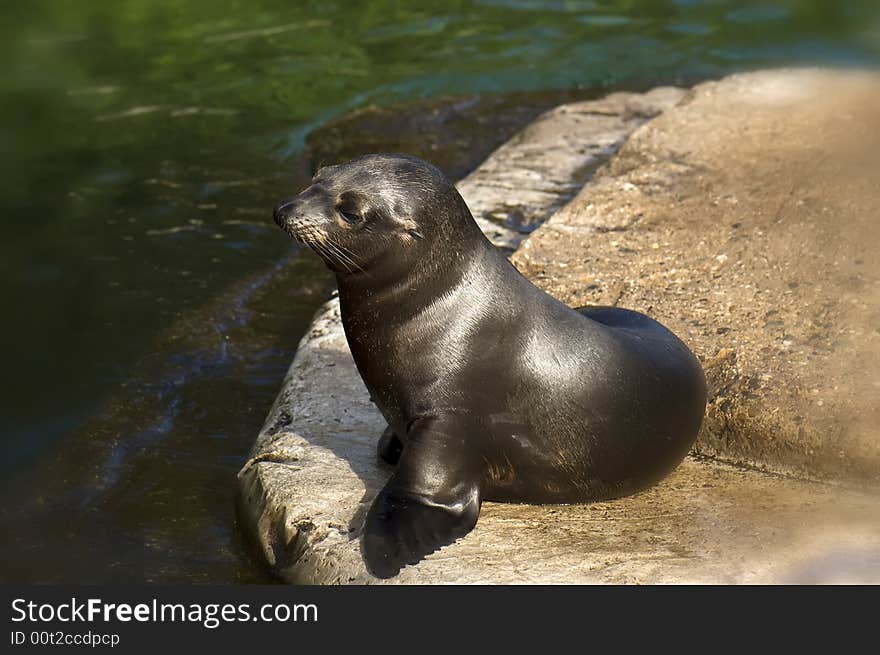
column 151, row 307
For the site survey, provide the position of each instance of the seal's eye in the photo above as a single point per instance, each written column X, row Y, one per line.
column 352, row 207
column 349, row 216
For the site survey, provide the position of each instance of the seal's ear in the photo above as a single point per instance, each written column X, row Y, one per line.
column 412, row 228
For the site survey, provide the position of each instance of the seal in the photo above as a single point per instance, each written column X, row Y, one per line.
column 492, row 389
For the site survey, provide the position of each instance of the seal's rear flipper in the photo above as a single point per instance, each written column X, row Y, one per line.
column 432, row 499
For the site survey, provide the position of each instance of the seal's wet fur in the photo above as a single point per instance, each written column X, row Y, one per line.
column 492, row 389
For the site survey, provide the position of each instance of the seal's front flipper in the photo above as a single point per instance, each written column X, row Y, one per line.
column 432, row 499
column 402, row 530
column 389, row 447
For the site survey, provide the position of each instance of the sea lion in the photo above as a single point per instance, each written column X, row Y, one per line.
column 492, row 388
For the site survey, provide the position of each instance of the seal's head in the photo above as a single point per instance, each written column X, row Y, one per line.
column 386, row 209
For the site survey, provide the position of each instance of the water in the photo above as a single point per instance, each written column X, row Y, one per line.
column 151, row 305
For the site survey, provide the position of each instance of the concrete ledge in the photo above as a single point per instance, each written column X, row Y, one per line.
column 307, row 488
column 540, row 169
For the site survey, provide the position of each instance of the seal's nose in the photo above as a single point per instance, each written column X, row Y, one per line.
column 283, row 211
